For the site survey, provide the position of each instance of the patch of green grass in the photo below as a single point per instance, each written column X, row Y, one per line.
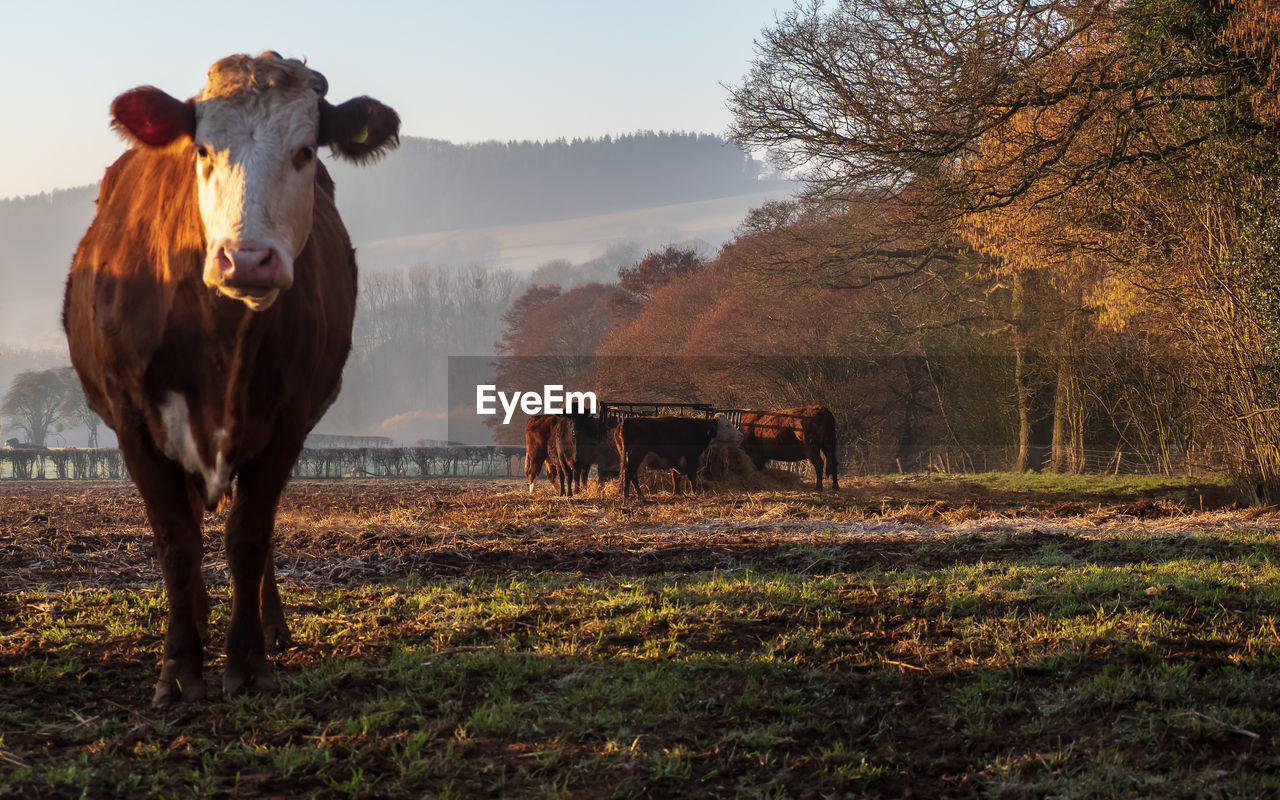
column 1055, row 485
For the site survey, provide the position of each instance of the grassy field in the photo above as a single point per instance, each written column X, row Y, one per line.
column 985, row 636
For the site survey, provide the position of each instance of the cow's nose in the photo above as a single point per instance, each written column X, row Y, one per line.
column 248, row 266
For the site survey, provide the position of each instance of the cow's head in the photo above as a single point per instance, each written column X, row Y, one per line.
column 726, row 431
column 252, row 133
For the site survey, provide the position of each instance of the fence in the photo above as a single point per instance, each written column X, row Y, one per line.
column 426, row 462
column 39, row 463
column 34, row 463
column 26, row 463
column 1004, row 458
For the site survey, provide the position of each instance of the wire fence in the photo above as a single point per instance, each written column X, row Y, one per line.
column 41, row 463
column 37, row 463
column 1004, row 458
column 399, row 462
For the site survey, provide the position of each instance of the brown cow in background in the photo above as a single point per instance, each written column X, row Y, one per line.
column 792, row 434
column 537, row 434
column 209, row 312
column 562, row 453
column 591, row 446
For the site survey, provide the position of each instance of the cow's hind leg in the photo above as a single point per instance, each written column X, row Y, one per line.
column 532, row 467
column 629, row 479
column 174, row 513
column 275, row 631
column 253, row 590
column 815, row 460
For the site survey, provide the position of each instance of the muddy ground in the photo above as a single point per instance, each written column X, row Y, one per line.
column 94, row 534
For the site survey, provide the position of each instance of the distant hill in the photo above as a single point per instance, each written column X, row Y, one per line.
column 428, row 185
column 524, row 246
column 424, row 187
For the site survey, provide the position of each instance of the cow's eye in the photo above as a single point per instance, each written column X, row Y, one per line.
column 304, row 156
column 202, row 151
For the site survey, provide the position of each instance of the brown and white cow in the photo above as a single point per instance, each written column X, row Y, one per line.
column 209, row 311
column 674, row 443
column 793, row 434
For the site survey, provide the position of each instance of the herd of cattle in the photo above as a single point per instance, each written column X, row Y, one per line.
column 569, row 445
column 209, row 311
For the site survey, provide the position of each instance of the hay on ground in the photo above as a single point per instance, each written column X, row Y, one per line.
column 727, row 466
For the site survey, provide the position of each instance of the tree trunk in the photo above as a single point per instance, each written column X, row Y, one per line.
column 1020, row 380
column 1061, row 414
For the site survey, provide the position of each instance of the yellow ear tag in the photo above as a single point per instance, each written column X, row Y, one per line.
column 361, row 136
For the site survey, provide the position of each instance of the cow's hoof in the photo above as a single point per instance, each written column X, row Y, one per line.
column 187, row 690
column 256, row 676
column 276, row 639
column 166, row 694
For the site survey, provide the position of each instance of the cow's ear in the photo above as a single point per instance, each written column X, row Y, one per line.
column 360, row 130
column 148, row 116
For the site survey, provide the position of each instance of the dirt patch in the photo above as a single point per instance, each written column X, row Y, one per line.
column 79, row 535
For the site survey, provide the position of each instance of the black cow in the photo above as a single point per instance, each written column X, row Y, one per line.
column 674, row 443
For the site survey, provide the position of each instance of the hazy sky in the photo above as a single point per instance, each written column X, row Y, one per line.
column 464, row 72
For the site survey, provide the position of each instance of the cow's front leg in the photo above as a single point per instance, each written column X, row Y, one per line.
column 254, row 597
column 174, row 512
column 248, row 543
column 180, row 552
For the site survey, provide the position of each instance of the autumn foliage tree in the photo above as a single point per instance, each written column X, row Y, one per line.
column 1114, row 165
column 637, row 283
column 550, row 337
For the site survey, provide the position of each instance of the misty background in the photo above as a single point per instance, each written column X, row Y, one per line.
column 447, row 236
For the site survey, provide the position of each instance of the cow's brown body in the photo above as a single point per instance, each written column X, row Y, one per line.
column 793, row 434
column 202, row 390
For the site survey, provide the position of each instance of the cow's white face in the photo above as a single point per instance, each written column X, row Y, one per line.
column 255, row 179
column 727, row 431
column 254, row 130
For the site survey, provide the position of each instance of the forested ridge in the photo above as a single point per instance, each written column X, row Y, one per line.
column 429, row 185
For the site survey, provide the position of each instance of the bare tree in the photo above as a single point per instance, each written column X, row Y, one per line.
column 33, row 404
column 75, row 407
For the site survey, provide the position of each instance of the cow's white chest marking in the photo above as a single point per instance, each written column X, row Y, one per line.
column 180, row 445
